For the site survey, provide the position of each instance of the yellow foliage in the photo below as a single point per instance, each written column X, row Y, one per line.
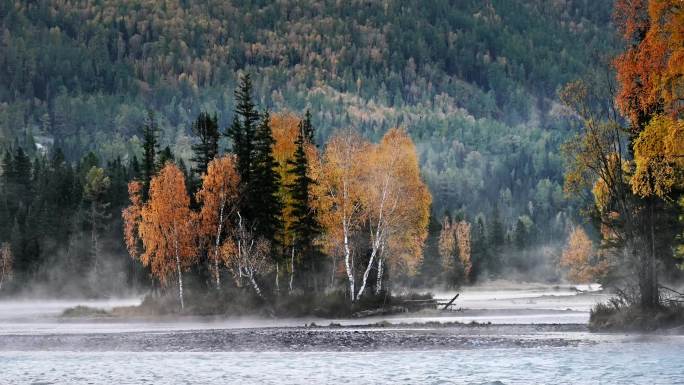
column 396, row 198
column 601, row 195
column 659, row 157
column 339, row 187
column 580, row 258
column 380, row 185
column 453, row 234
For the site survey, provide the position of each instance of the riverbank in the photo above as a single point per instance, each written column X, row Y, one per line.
column 615, row 317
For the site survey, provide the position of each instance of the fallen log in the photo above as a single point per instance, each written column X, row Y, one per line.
column 450, row 302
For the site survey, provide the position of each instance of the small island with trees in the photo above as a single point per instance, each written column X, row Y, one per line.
column 241, row 190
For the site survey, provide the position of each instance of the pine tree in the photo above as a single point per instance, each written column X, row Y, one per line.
column 305, row 228
column 307, row 128
column 496, row 239
column 21, row 174
column 207, row 131
column 479, row 248
column 95, row 190
column 242, row 131
column 165, row 155
column 7, row 173
column 265, row 205
column 431, row 267
column 520, row 235
column 149, row 166
column 134, row 168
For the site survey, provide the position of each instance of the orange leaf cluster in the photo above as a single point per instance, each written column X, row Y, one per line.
column 131, row 219
column 580, row 258
column 651, row 70
column 167, row 225
column 219, row 197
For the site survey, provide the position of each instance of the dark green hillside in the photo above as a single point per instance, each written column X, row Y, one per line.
column 473, row 81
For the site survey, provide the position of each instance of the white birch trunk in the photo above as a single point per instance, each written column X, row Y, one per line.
column 277, row 283
column 376, row 240
column 332, row 271
column 378, row 282
column 347, row 265
column 366, row 273
column 254, row 284
column 292, row 269
column 180, row 277
column 93, row 238
column 217, row 276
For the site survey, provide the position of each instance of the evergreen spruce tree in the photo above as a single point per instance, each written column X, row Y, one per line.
column 305, row 228
column 431, row 268
column 134, row 168
column 479, row 250
column 165, row 155
column 207, row 131
column 242, row 131
column 6, row 188
column 149, row 165
column 307, row 128
column 496, row 239
column 265, row 205
column 520, row 235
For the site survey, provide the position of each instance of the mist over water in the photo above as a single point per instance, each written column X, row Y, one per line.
column 549, row 344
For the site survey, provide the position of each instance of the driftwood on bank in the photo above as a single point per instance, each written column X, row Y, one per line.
column 450, row 302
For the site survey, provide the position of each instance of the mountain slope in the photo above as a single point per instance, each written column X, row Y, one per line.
column 473, row 81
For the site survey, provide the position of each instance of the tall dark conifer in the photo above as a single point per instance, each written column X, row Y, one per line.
column 165, row 155
column 149, row 165
column 207, row 131
column 496, row 239
column 242, row 131
column 305, row 228
column 265, row 205
column 307, row 128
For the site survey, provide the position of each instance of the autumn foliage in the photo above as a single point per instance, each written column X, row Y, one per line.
column 131, row 218
column 454, row 246
column 651, row 70
column 369, row 200
column 581, row 260
column 167, row 227
column 218, row 198
column 375, row 186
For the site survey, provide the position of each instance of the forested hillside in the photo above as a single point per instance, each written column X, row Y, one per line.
column 474, row 83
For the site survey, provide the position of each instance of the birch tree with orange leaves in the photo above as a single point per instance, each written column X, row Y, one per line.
column 397, row 204
column 167, row 228
column 219, row 199
column 339, row 188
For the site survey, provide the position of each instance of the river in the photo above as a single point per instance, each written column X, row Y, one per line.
column 523, row 334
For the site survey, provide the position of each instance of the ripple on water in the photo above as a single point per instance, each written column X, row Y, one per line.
column 607, row 363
